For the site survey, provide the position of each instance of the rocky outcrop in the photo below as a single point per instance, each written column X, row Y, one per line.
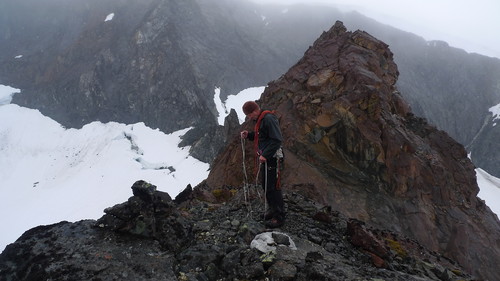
column 352, row 142
column 465, row 94
column 150, row 237
column 449, row 87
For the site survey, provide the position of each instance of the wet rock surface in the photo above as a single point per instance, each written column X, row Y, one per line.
column 199, row 240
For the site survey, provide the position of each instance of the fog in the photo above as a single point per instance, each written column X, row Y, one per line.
column 469, row 25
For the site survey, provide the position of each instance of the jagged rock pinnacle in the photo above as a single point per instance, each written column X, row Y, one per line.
column 352, row 142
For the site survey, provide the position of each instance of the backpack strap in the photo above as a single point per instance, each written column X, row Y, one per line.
column 256, row 130
column 256, row 138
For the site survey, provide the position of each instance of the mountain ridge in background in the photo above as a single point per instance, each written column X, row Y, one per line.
column 154, row 56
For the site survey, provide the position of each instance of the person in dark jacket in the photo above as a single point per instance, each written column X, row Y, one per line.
column 267, row 140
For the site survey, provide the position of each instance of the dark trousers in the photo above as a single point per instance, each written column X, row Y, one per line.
column 274, row 196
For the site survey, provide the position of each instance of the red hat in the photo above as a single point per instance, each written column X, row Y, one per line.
column 249, row 107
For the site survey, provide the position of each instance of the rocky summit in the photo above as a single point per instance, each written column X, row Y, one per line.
column 151, row 237
column 371, row 192
column 352, row 143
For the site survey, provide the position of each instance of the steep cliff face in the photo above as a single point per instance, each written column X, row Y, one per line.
column 483, row 148
column 449, row 87
column 352, row 142
column 130, row 68
column 466, row 105
column 436, row 79
column 154, row 61
column 445, row 74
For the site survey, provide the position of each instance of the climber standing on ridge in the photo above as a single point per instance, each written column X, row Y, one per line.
column 267, row 140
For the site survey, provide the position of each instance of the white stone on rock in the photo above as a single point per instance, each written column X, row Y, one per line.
column 265, row 243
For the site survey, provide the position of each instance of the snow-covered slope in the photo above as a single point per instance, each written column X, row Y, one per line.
column 49, row 173
column 489, row 190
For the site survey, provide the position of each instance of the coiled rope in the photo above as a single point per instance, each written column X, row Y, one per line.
column 246, row 185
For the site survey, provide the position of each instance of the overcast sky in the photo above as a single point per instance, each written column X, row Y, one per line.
column 470, row 25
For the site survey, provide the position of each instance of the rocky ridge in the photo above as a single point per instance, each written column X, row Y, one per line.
column 449, row 87
column 352, row 142
column 207, row 236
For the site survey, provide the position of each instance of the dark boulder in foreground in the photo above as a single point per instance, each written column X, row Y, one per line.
column 150, row 237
